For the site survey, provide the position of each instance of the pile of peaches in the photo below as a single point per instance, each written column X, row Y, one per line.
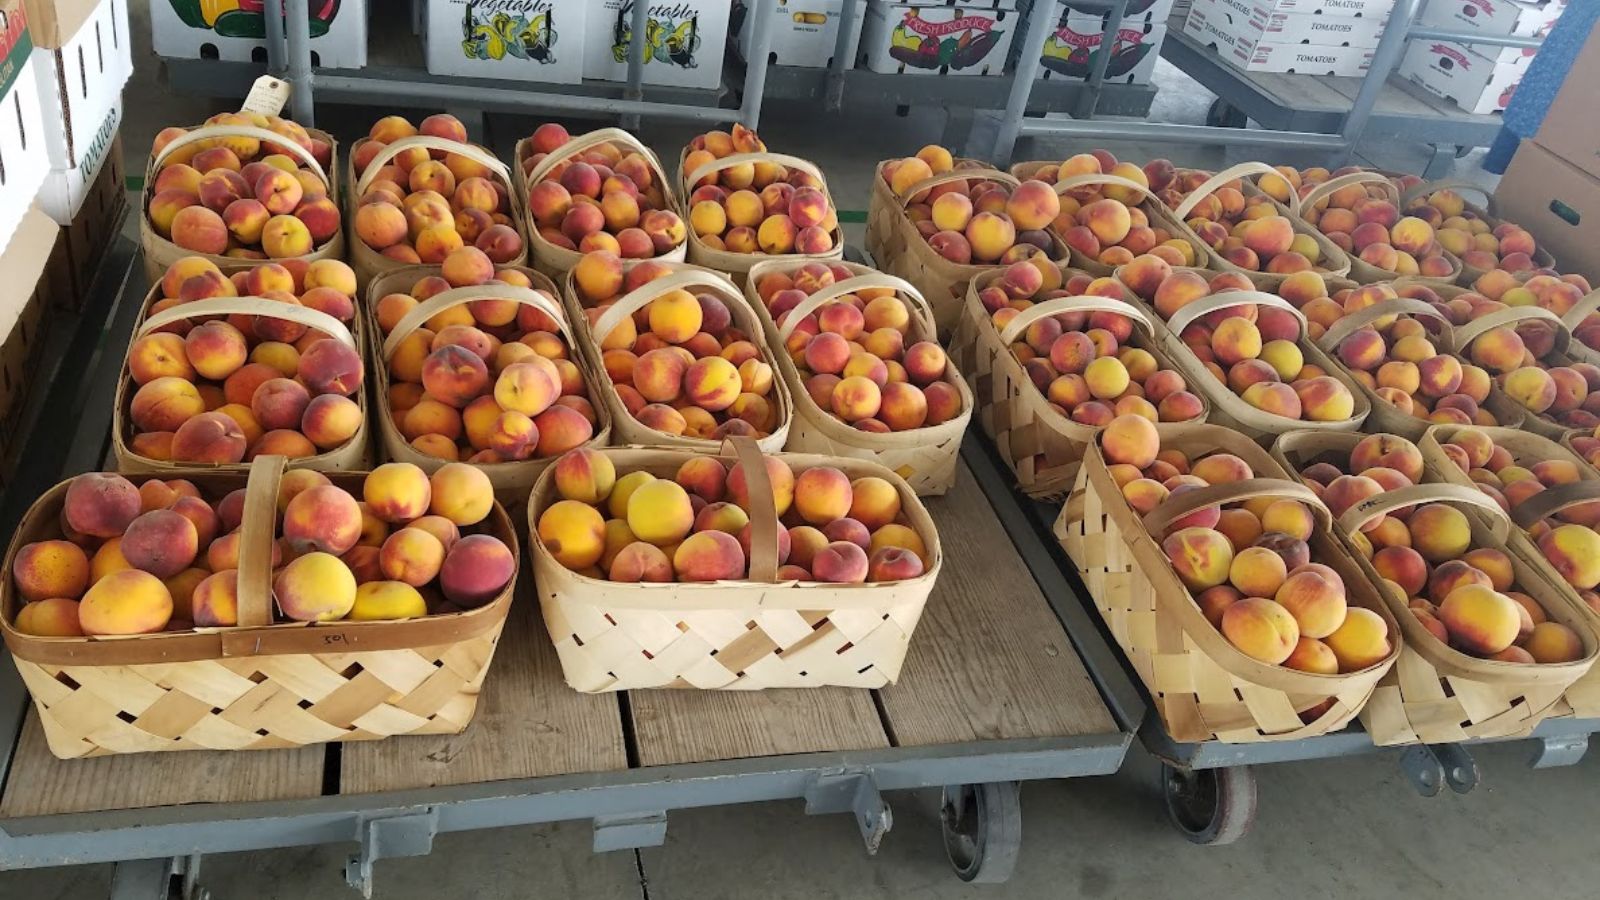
column 610, row 199
column 488, row 381
column 1364, row 222
column 1512, row 355
column 755, row 207
column 974, row 221
column 1463, row 232
column 243, row 197
column 1247, row 563
column 1105, row 222
column 163, row 557
column 852, row 354
column 680, row 364
column 423, row 204
column 1082, row 362
column 1249, row 231
column 225, row 390
column 1465, row 596
column 695, row 526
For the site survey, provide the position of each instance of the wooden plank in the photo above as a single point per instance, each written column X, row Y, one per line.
column 529, row 724
column 682, row 726
column 41, row 785
column 989, row 660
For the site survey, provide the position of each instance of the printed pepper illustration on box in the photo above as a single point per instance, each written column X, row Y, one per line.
column 959, row 43
column 671, row 35
column 491, row 33
column 1072, row 53
column 245, row 18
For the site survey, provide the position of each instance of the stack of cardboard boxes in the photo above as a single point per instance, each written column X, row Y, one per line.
column 1479, row 78
column 1552, row 187
column 1312, row 37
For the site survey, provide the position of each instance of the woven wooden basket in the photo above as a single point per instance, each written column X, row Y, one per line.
column 1573, row 319
column 1437, row 694
column 925, row 457
column 1541, row 257
column 1203, row 687
column 1042, row 446
column 899, row 249
column 557, row 261
column 1228, row 408
column 1153, row 208
column 1385, row 417
column 739, row 265
column 160, row 253
column 1360, row 269
column 627, row 430
column 1336, row 261
column 369, row 263
column 356, row 453
column 259, row 686
column 1505, row 409
column 732, row 635
column 511, row 480
column 1583, row 696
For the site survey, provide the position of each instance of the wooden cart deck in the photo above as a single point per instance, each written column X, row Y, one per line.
column 989, row 662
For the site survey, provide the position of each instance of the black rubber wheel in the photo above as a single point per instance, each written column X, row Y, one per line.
column 1224, row 115
column 982, row 826
column 1210, row 806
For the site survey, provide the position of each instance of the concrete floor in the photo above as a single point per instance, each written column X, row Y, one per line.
column 1345, row 828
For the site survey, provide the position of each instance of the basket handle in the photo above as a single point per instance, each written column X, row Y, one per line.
column 592, row 139
column 1553, row 500
column 454, row 297
column 251, row 306
column 764, row 508
column 1081, row 303
column 1448, row 184
column 1076, row 181
column 1353, row 178
column 1581, row 310
column 839, row 289
column 1178, row 506
column 1231, row 173
column 639, row 296
column 955, row 175
column 1475, row 329
column 1361, row 318
column 1190, row 313
column 301, row 154
column 736, row 159
column 256, row 536
column 1460, row 495
column 470, row 151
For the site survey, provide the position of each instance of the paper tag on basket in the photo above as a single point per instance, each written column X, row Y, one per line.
column 267, row 96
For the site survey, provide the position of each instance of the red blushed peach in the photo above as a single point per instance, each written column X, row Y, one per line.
column 641, row 562
column 280, row 404
column 412, row 556
column 1552, row 642
column 1346, row 491
column 842, row 562
column 1403, row 566
column 856, row 398
column 1261, row 629
column 713, row 383
column 164, row 404
column 1201, row 557
column 1274, row 397
column 822, row 494
column 158, row 355
column 1453, row 574
column 1131, row 440
column 51, row 617
column 904, row 407
column 1574, row 552
column 528, row 387
column 1442, row 532
column 1325, row 399
column 1316, row 602
column 1222, row 468
column 1480, row 619
column 709, row 556
column 46, row 569
column 561, row 428
column 324, row 518
column 1532, row 387
column 211, row 437
column 161, row 542
column 1180, row 406
column 331, row 420
column 380, row 225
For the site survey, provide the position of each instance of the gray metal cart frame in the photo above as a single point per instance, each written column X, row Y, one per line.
column 1333, row 134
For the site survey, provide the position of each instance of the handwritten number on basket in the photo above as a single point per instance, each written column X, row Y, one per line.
column 333, row 639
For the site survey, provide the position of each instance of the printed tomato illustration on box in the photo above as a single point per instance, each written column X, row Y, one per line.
column 1073, row 53
column 245, row 18
column 961, row 42
column 672, row 35
column 489, row 31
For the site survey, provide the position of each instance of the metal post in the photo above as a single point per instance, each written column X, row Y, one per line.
column 841, row 52
column 1089, row 100
column 1384, row 59
column 640, row 25
column 1005, row 142
column 298, row 26
column 273, row 11
column 755, row 72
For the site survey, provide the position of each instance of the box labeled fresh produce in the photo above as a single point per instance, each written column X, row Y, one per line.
column 938, row 39
column 236, row 31
column 1071, row 50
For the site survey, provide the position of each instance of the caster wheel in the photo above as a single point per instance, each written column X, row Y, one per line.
column 1210, row 806
column 1223, row 115
column 982, row 826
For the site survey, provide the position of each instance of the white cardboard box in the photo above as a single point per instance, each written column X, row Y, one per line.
column 686, row 41
column 1367, row 9
column 81, row 82
column 1258, row 21
column 1525, row 17
column 235, row 31
column 1071, row 49
column 804, row 32
column 515, row 40
column 23, row 157
column 64, row 190
column 1453, row 72
column 1242, row 49
column 939, row 39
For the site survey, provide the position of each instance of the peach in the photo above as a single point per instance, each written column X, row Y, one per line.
column 1273, row 397
column 1325, row 399
column 331, row 367
column 1493, row 563
column 1213, row 602
column 1552, row 642
column 51, row 617
column 1532, row 387
column 1480, row 619
column 1257, row 572
column 573, row 532
column 412, row 556
column 842, row 562
column 1403, row 566
column 1440, row 533
column 1289, row 517
column 1453, row 574
column 640, row 562
column 211, row 437
column 1499, row 350
column 157, row 355
column 1260, row 629
column 1201, row 557
column 129, row 601
column 285, row 236
column 379, row 600
column 315, row 587
column 476, row 569
column 712, row 383
column 1574, row 552
column 380, row 225
column 1361, row 642
column 562, row 428
column 397, row 492
column 1220, row 468
column 856, row 398
column 660, row 513
column 282, row 442
column 279, row 403
column 779, row 476
column 46, row 569
column 164, row 404
column 330, row 421
column 1312, row 655
column 528, row 387
column 709, row 556
column 322, row 517
column 1316, row 601
column 460, row 493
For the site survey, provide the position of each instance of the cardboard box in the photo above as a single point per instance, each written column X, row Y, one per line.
column 1556, row 201
column 1208, row 24
column 514, row 40
column 1368, row 9
column 1071, row 49
column 81, row 82
column 1526, row 17
column 804, row 32
column 939, row 39
column 24, row 302
column 64, row 190
column 1258, row 22
column 234, row 30
column 24, row 159
column 81, row 245
column 53, row 22
column 1452, row 72
column 1154, row 12
column 687, row 39
column 1570, row 128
